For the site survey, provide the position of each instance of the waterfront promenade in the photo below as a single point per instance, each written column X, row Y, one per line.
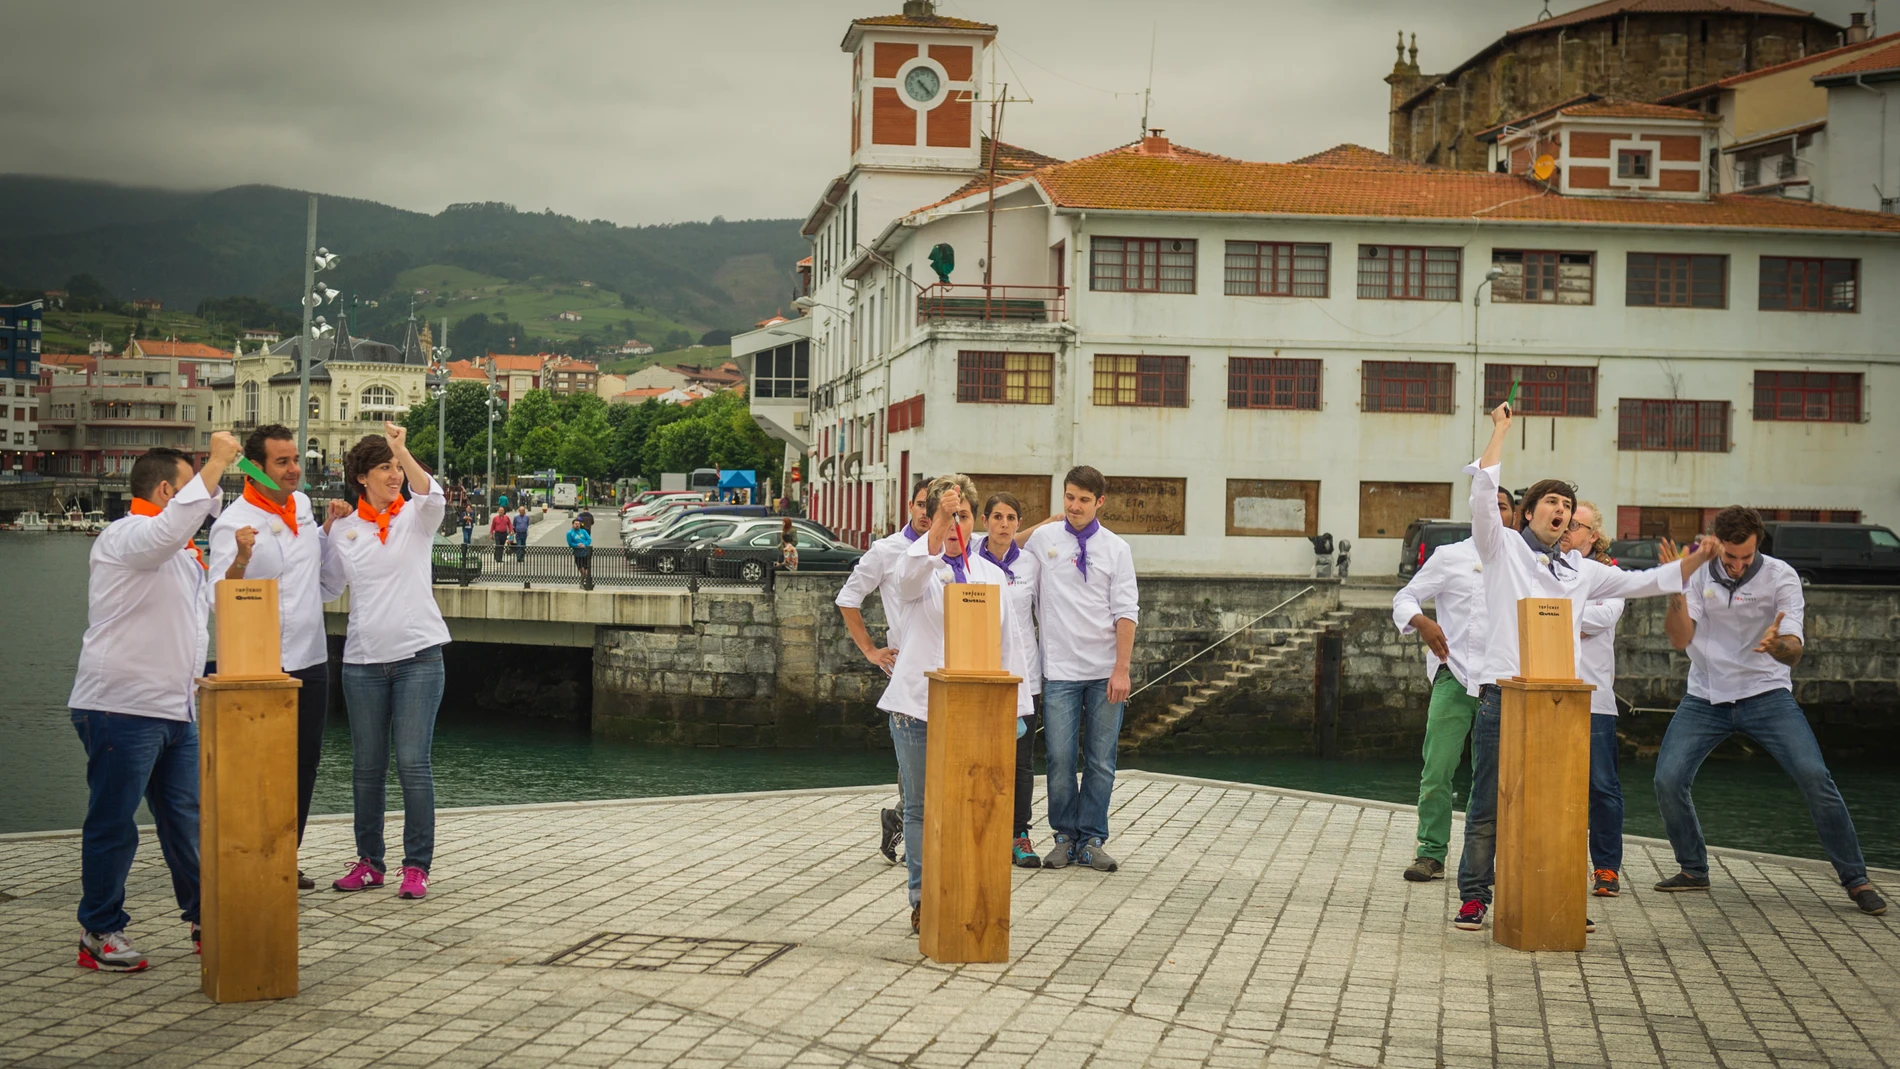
column 1249, row 926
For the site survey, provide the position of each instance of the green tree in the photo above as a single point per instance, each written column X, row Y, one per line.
column 584, row 448
column 540, row 448
column 631, row 432
column 528, row 413
column 466, row 417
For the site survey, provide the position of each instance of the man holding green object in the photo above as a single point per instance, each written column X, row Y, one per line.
column 1453, row 577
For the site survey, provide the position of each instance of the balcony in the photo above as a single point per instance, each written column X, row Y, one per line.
column 959, row 302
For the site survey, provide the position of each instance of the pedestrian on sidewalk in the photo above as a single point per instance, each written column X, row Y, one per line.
column 927, row 565
column 1596, row 665
column 468, row 525
column 499, row 529
column 273, row 534
column 1086, row 595
column 392, row 655
column 1740, row 619
column 581, row 541
column 1453, row 578
column 132, row 697
column 787, row 546
column 1002, row 518
column 521, row 533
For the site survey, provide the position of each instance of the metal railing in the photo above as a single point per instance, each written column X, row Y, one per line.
column 963, row 301
column 606, row 568
column 1247, row 627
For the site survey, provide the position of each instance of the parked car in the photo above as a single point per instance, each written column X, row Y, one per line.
column 1836, row 552
column 748, row 530
column 673, row 527
column 748, row 553
column 647, row 497
column 658, row 511
column 1422, row 537
column 1636, row 554
column 668, row 555
column 452, row 562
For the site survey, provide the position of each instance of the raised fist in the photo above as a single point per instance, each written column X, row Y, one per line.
column 246, row 541
column 397, row 435
column 224, row 447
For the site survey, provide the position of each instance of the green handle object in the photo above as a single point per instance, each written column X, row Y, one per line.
column 1511, row 401
column 257, row 474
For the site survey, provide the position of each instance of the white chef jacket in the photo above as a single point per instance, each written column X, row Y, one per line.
column 1512, row 571
column 306, row 576
column 920, row 582
column 1454, row 577
column 393, row 614
column 875, row 571
column 1596, row 657
column 1079, row 613
column 1723, row 664
column 1021, row 594
column 146, row 599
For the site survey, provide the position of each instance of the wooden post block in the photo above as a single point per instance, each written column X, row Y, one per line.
column 972, row 627
column 1546, row 643
column 969, row 813
column 247, row 821
column 249, row 639
column 1543, row 815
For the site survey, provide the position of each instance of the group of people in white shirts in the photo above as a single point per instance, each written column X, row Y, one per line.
column 1735, row 611
column 149, row 595
column 1068, row 630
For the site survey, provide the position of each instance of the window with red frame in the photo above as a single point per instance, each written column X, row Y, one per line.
column 905, row 415
column 1808, row 396
column 1142, row 265
column 1405, row 386
column 1006, row 378
column 1276, row 269
column 1789, row 284
column 1144, row 381
column 1542, row 390
column 1408, row 273
column 1672, row 426
column 1666, row 280
column 1262, row 382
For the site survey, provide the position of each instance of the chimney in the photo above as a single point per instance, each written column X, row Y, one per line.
column 920, row 9
column 1156, row 145
column 1857, row 30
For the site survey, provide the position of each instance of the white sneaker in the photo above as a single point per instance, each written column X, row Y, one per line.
column 111, row 952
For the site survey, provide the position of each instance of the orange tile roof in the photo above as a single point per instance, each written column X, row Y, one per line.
column 69, row 359
column 1361, row 158
column 1126, row 181
column 466, row 369
column 1632, row 109
column 1883, row 59
column 1013, row 157
column 1609, row 8
column 190, row 350
column 923, row 22
column 515, row 362
column 643, row 393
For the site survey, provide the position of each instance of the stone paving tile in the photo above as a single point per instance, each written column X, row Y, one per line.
column 1248, row 927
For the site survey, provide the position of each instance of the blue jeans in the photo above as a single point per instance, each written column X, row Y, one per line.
column 397, row 699
column 1779, row 726
column 1606, row 796
column 129, row 757
column 909, row 737
column 1477, row 867
column 1079, row 726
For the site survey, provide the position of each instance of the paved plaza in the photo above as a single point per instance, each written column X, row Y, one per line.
column 1249, row 926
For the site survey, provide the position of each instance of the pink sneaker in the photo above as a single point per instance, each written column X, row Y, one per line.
column 415, row 882
column 361, row 875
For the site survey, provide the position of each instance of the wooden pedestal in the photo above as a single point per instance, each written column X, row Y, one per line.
column 1543, row 815
column 247, row 767
column 969, row 796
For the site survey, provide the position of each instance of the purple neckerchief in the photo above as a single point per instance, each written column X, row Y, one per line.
column 1014, row 551
column 959, row 564
column 911, row 533
column 1082, row 543
column 1554, row 554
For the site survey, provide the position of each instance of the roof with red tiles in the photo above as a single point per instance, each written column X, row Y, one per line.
column 1361, row 158
column 1884, row 59
column 1594, row 106
column 516, row 361
column 466, row 369
column 189, row 350
column 1610, row 8
column 1014, row 157
column 923, row 22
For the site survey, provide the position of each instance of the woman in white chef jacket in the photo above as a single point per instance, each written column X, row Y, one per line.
column 942, row 556
column 392, row 655
column 1002, row 516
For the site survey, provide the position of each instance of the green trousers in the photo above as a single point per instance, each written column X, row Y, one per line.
column 1447, row 723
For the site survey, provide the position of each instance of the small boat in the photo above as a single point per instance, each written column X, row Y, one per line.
column 95, row 522
column 31, row 521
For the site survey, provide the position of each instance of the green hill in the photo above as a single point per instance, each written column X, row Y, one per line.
column 248, row 240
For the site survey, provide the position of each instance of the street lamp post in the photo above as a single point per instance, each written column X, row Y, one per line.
column 1477, row 380
column 440, row 366
column 306, row 342
column 489, row 498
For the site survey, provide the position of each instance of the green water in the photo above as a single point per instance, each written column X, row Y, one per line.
column 482, row 760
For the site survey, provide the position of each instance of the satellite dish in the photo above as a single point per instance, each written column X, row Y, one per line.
column 1544, row 168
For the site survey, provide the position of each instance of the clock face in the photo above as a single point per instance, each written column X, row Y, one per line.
column 922, row 84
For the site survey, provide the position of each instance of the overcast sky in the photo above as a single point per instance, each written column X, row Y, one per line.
column 642, row 111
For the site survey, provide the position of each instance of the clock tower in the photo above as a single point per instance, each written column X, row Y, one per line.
column 914, row 89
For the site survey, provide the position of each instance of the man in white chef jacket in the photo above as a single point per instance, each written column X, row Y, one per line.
column 133, row 696
column 285, row 543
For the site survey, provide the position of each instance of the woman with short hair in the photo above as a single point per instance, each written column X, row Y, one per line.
column 392, row 655
column 1002, row 518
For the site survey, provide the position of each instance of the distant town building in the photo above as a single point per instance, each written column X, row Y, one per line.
column 19, row 385
column 99, row 421
column 565, row 376
column 268, row 337
column 55, row 298
column 607, row 387
column 201, row 363
column 148, row 304
column 515, row 374
column 569, row 317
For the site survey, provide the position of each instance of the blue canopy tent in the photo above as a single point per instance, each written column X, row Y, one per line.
column 730, row 481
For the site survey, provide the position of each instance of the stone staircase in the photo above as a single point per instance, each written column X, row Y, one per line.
column 1283, row 651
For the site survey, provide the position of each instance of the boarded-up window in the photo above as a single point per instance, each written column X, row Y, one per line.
column 1145, row 506
column 1268, row 508
column 1386, row 509
column 1031, row 490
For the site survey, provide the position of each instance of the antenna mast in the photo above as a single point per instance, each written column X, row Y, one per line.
column 1153, row 31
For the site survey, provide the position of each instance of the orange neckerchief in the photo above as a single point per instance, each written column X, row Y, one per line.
column 142, row 507
column 380, row 519
column 286, row 512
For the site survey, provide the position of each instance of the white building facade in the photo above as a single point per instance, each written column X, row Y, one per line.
column 1258, row 353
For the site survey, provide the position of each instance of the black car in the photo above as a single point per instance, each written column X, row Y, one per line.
column 747, row 555
column 1636, row 554
column 669, row 555
column 450, row 561
column 679, row 527
column 1422, row 537
column 698, row 553
column 1836, row 552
